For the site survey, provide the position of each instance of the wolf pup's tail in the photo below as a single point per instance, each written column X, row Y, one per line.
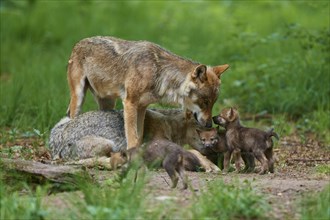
column 271, row 133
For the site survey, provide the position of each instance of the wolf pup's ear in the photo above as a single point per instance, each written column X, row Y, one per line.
column 214, row 130
column 198, row 132
column 200, row 73
column 218, row 70
column 231, row 115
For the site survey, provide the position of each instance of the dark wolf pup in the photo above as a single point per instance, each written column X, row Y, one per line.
column 163, row 153
column 174, row 159
column 215, row 140
column 140, row 73
column 244, row 139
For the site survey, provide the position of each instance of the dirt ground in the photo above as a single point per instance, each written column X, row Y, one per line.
column 296, row 173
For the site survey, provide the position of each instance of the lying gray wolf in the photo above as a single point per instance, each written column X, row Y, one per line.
column 243, row 139
column 140, row 73
column 99, row 133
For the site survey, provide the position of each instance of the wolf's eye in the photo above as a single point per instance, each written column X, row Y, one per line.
column 203, row 139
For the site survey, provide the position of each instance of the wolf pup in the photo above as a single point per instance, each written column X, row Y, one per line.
column 175, row 160
column 215, row 141
column 140, row 73
column 246, row 139
column 171, row 156
column 164, row 153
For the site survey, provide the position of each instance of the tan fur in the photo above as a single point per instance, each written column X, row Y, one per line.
column 117, row 160
column 140, row 73
column 207, row 165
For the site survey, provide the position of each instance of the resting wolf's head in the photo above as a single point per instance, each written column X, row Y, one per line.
column 202, row 87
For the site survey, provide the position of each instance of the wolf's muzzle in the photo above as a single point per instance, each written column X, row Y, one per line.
column 201, row 122
column 208, row 124
column 195, row 116
column 216, row 120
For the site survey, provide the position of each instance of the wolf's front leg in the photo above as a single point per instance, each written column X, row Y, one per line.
column 226, row 161
column 140, row 123
column 131, row 123
column 237, row 158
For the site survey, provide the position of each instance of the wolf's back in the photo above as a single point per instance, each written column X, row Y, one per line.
column 65, row 134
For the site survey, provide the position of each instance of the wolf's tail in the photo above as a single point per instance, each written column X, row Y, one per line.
column 272, row 133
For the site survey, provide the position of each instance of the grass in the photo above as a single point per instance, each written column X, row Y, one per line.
column 112, row 201
column 230, row 201
column 131, row 200
column 323, row 169
column 18, row 199
column 316, row 206
column 279, row 64
column 279, row 57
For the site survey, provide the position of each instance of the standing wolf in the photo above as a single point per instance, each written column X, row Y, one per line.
column 140, row 73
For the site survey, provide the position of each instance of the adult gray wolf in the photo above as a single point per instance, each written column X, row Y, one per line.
column 140, row 73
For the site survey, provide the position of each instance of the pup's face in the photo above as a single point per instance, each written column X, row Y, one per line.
column 208, row 138
column 117, row 160
column 226, row 117
column 203, row 92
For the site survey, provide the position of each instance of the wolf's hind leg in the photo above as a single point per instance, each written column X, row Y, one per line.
column 263, row 160
column 249, row 162
column 183, row 176
column 269, row 156
column 78, row 88
column 170, row 164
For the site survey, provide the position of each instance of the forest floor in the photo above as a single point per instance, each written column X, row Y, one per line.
column 297, row 172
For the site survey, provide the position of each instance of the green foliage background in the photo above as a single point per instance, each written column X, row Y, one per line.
column 278, row 52
column 279, row 57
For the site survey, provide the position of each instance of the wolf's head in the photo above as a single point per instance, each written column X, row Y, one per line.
column 203, row 86
column 209, row 138
column 227, row 117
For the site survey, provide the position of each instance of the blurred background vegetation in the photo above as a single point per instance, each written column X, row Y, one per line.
column 278, row 52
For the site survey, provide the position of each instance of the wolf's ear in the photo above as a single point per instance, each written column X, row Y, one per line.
column 231, row 115
column 198, row 132
column 214, row 129
column 218, row 70
column 199, row 73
